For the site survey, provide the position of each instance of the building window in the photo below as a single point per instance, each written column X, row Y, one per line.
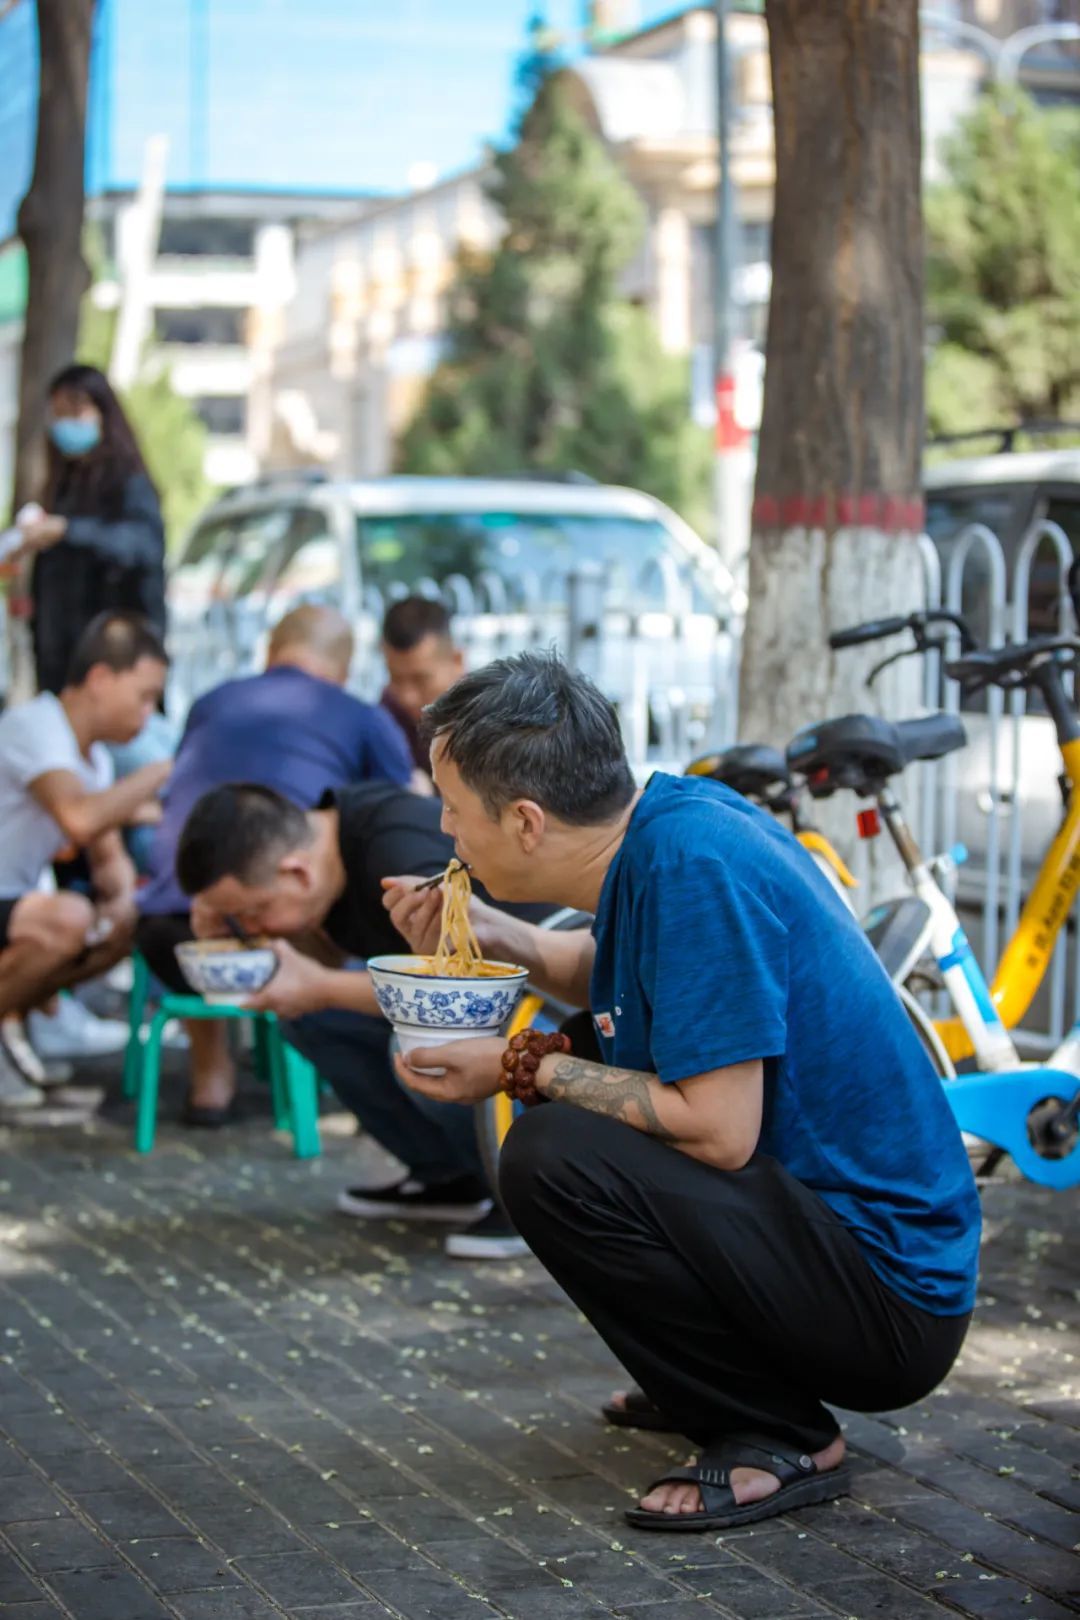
column 207, row 238
column 200, row 326
column 756, row 240
column 223, row 413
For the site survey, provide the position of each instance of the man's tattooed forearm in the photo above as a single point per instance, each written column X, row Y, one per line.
column 625, row 1094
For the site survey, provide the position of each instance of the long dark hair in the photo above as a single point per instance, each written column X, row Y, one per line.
column 93, row 483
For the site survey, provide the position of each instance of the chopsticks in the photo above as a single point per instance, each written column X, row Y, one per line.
column 433, row 882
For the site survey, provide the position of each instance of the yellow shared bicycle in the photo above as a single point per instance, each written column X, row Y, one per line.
column 766, row 776
column 762, row 774
column 1039, row 666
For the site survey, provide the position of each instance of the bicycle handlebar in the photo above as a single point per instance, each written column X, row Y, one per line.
column 874, row 630
column 917, row 623
column 1018, row 664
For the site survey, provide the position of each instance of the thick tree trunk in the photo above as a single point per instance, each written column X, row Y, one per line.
column 837, row 502
column 50, row 224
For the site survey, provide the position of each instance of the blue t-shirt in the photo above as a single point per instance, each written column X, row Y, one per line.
column 284, row 729
column 718, row 941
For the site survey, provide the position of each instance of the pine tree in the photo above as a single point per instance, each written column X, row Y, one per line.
column 547, row 368
column 1003, row 273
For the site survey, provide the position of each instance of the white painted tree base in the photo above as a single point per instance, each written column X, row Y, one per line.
column 803, row 586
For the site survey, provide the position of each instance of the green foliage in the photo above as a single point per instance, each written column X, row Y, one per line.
column 547, row 368
column 173, row 442
column 1003, row 273
column 170, row 434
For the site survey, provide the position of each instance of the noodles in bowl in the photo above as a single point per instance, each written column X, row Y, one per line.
column 453, row 994
column 458, row 955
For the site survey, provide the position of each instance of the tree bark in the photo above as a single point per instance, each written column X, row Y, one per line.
column 50, row 224
column 837, row 505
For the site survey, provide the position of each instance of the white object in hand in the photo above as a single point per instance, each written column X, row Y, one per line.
column 99, row 931
column 13, row 539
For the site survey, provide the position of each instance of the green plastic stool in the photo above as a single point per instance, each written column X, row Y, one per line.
column 294, row 1084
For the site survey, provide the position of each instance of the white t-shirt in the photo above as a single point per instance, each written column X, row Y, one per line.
column 36, row 737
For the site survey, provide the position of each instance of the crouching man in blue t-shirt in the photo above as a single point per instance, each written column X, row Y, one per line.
column 759, row 1198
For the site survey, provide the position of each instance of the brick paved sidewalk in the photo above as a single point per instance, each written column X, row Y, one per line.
column 224, row 1402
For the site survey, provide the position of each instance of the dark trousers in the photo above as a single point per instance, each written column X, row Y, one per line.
column 435, row 1141
column 736, row 1299
column 157, row 939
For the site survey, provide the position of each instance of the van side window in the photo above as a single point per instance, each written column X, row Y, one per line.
column 311, row 574
column 1046, row 583
column 1065, row 512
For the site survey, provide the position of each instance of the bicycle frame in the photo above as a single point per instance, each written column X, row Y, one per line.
column 1026, row 957
column 950, row 947
column 825, row 856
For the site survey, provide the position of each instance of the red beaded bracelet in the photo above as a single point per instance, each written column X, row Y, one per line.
column 521, row 1060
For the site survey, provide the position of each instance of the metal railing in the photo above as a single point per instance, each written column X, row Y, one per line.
column 671, row 666
column 1001, row 797
column 667, row 661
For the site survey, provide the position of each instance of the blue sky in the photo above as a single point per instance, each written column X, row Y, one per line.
column 328, row 94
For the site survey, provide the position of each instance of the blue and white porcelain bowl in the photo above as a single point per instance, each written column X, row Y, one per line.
column 426, row 1011
column 226, row 971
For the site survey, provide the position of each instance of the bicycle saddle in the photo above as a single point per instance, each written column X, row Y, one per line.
column 860, row 752
column 1011, row 666
column 752, row 769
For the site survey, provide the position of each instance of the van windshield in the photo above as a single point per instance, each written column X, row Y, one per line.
column 530, row 552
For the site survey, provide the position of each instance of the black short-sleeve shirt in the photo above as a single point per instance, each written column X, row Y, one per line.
column 384, row 831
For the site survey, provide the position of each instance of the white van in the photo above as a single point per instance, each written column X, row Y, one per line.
column 612, row 575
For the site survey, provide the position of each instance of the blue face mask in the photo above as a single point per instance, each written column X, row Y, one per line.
column 75, row 435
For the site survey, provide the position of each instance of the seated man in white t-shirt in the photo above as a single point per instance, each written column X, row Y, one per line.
column 57, row 793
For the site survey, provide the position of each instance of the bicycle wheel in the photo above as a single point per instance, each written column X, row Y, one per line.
column 924, row 1028
column 983, row 1156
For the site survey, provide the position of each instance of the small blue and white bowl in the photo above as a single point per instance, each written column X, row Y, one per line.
column 226, row 971
column 426, row 1011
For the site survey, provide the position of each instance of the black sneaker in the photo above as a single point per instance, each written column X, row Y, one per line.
column 490, row 1238
column 199, row 1118
column 463, row 1199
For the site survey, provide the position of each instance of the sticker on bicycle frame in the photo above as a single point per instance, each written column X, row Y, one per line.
column 963, row 957
column 605, row 1024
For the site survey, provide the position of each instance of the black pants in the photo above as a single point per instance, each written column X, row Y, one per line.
column 157, row 939
column 736, row 1299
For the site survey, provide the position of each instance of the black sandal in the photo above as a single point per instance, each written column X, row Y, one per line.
column 638, row 1412
column 800, row 1485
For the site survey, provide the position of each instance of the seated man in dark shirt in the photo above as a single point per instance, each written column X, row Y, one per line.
column 250, row 855
column 292, row 728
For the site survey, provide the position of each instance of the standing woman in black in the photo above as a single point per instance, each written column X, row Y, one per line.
column 100, row 543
